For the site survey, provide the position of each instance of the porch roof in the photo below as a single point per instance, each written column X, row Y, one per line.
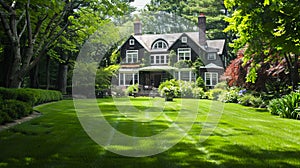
column 157, row 68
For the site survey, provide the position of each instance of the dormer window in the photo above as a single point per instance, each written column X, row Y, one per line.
column 211, row 56
column 160, row 45
column 131, row 42
column 184, row 39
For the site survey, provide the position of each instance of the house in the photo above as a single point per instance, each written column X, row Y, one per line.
column 145, row 58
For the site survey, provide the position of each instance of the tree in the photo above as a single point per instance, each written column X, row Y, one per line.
column 269, row 29
column 270, row 76
column 190, row 10
column 33, row 28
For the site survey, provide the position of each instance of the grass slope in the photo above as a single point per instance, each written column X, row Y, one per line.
column 244, row 137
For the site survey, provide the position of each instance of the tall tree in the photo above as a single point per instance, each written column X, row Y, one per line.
column 190, row 10
column 33, row 28
column 269, row 28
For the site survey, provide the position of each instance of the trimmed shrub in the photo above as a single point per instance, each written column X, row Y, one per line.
column 16, row 109
column 30, row 96
column 4, row 117
column 169, row 88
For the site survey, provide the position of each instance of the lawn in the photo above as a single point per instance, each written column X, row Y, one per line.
column 243, row 137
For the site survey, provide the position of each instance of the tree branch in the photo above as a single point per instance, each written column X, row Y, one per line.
column 6, row 26
column 21, row 17
column 5, row 6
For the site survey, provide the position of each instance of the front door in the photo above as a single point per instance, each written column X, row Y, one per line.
column 157, row 80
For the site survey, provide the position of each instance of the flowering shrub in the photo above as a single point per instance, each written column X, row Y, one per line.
column 169, row 89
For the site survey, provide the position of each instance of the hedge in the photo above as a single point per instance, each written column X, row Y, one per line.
column 17, row 103
column 30, row 96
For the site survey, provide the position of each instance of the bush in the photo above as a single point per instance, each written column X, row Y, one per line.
column 15, row 109
column 4, row 117
column 186, row 89
column 200, row 82
column 256, row 102
column 245, row 100
column 230, row 96
column 198, row 93
column 214, row 94
column 30, row 96
column 169, row 88
column 222, row 85
column 132, row 90
column 286, row 107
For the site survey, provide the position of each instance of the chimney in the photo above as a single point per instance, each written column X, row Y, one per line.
column 202, row 29
column 137, row 27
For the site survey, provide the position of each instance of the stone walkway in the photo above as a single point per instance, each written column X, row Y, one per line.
column 35, row 114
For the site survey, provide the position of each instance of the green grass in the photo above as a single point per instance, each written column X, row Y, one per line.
column 244, row 137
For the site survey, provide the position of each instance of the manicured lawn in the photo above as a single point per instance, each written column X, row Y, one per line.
column 244, row 137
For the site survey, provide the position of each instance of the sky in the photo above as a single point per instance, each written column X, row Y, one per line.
column 140, row 3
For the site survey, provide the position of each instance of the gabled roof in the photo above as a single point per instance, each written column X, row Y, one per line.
column 211, row 66
column 146, row 40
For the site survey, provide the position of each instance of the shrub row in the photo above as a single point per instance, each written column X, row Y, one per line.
column 287, row 106
column 17, row 103
column 13, row 109
column 30, row 96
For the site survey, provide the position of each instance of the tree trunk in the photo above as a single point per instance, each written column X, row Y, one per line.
column 47, row 72
column 62, row 78
column 34, row 77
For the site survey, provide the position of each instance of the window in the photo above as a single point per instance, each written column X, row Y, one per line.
column 185, row 76
column 126, row 79
column 160, row 45
column 184, row 39
column 131, row 56
column 211, row 78
column 159, row 59
column 131, row 42
column 211, row 56
column 184, row 54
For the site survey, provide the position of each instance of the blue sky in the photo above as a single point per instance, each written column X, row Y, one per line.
column 140, row 3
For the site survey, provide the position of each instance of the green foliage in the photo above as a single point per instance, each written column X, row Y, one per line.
column 172, row 58
column 230, row 96
column 221, row 85
column 245, row 100
column 30, row 96
column 13, row 109
column 183, row 64
column 169, row 88
column 214, row 94
column 200, row 83
column 270, row 31
column 286, row 107
column 198, row 93
column 186, row 88
column 132, row 90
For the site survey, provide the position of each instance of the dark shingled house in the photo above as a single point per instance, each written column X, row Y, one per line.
column 146, row 57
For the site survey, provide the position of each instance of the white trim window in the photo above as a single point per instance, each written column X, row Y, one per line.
column 132, row 56
column 159, row 59
column 131, row 42
column 160, row 44
column 211, row 78
column 184, row 54
column 184, row 39
column 211, row 56
column 127, row 79
column 185, row 76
